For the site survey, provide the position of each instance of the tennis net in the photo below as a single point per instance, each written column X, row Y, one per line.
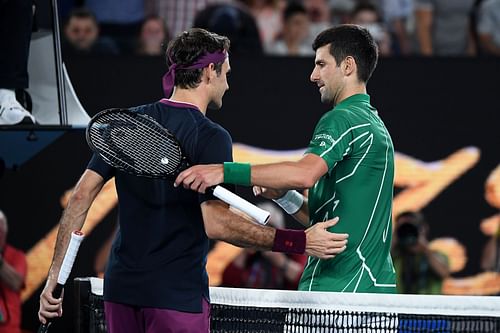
column 254, row 310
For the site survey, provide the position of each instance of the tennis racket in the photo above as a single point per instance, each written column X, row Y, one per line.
column 67, row 264
column 137, row 144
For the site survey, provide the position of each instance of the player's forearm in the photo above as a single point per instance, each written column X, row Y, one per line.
column 73, row 219
column 74, row 215
column 292, row 202
column 302, row 216
column 222, row 224
column 284, row 175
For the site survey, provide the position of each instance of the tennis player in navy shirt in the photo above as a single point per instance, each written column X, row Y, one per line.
column 156, row 279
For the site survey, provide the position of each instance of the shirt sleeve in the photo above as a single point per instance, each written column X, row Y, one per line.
column 218, row 149
column 102, row 168
column 331, row 139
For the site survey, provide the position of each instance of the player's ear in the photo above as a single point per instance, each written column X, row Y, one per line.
column 210, row 72
column 348, row 65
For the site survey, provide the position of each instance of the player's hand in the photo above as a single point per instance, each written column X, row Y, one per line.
column 268, row 193
column 323, row 244
column 50, row 307
column 199, row 177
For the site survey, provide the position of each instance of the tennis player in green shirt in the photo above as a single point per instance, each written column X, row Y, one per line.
column 348, row 169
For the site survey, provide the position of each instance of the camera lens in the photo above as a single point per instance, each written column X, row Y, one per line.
column 407, row 234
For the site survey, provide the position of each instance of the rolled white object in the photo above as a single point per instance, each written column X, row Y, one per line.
column 260, row 215
column 69, row 257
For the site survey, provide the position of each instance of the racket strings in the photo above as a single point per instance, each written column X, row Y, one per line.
column 131, row 142
column 136, row 144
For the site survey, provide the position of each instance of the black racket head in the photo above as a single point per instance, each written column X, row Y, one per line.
column 135, row 143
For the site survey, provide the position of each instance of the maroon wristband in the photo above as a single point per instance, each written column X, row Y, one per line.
column 289, row 241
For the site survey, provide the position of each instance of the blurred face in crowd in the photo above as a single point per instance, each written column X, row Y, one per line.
column 153, row 34
column 82, row 32
column 327, row 75
column 318, row 10
column 370, row 20
column 296, row 27
column 365, row 17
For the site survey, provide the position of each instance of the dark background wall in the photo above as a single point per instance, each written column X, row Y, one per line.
column 432, row 107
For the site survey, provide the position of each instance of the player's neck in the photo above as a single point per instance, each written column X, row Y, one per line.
column 351, row 90
column 190, row 96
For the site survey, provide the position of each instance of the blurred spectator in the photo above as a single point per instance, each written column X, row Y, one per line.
column 81, row 35
column 119, row 20
column 366, row 14
column 488, row 27
column 178, row 14
column 443, row 27
column 319, row 16
column 64, row 8
column 268, row 15
column 490, row 260
column 12, row 276
column 153, row 37
column 399, row 15
column 419, row 270
column 265, row 269
column 16, row 18
column 294, row 34
column 234, row 21
column 340, row 10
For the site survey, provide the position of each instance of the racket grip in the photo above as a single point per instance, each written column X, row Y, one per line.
column 56, row 293
column 69, row 257
column 260, row 215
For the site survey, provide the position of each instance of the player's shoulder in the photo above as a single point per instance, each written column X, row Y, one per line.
column 216, row 130
column 145, row 108
column 335, row 117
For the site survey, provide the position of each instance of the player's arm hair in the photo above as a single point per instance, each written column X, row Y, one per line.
column 223, row 224
column 301, row 174
column 74, row 215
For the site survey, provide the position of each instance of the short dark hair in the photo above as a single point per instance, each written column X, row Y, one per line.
column 188, row 47
column 292, row 9
column 81, row 13
column 351, row 40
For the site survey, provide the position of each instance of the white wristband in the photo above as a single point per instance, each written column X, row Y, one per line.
column 290, row 202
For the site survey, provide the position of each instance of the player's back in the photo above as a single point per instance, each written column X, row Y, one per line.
column 158, row 257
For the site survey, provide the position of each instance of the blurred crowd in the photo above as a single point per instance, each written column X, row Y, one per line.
column 282, row 27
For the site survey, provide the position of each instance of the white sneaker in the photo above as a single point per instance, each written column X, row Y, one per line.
column 12, row 113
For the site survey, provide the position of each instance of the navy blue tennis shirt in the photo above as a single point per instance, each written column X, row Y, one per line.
column 159, row 254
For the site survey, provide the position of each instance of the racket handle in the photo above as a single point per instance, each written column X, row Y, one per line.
column 67, row 264
column 260, row 215
column 56, row 293
column 69, row 257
